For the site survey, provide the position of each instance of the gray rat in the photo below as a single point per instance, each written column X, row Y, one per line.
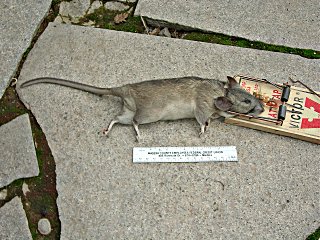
column 171, row 99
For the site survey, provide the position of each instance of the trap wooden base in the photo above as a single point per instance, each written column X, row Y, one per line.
column 302, row 114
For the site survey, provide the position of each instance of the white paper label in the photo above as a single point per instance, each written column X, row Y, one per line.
column 184, row 154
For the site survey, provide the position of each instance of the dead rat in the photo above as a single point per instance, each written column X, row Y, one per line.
column 171, row 99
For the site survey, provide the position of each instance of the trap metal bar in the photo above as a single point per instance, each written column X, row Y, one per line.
column 289, row 110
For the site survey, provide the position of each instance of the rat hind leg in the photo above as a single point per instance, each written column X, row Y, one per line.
column 142, row 117
column 135, row 126
column 203, row 118
column 126, row 117
column 106, row 131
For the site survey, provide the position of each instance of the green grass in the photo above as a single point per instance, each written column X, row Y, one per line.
column 17, row 183
column 315, row 235
column 244, row 43
column 12, row 109
column 103, row 18
column 54, row 2
column 133, row 24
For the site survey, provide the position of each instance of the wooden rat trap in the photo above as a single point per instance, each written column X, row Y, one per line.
column 289, row 110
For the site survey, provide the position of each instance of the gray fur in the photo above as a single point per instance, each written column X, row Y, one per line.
column 171, row 99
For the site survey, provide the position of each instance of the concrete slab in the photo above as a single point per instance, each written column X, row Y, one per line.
column 19, row 21
column 289, row 23
column 3, row 194
column 13, row 221
column 116, row 6
column 18, row 156
column 74, row 10
column 272, row 191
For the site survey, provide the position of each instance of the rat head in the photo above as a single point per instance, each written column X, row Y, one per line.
column 238, row 100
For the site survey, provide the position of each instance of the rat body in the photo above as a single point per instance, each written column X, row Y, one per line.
column 171, row 99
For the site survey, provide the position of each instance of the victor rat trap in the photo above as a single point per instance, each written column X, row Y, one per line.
column 289, row 110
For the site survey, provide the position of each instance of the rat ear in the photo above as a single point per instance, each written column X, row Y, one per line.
column 223, row 103
column 232, row 83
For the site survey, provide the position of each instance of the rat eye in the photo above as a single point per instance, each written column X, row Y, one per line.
column 247, row 101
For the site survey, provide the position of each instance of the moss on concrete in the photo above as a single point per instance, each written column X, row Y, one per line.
column 315, row 235
column 244, row 43
column 104, row 18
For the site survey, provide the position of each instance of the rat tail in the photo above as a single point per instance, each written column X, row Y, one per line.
column 70, row 84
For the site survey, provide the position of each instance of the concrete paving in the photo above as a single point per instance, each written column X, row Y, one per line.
column 18, row 156
column 271, row 192
column 13, row 221
column 74, row 10
column 19, row 21
column 3, row 194
column 289, row 23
